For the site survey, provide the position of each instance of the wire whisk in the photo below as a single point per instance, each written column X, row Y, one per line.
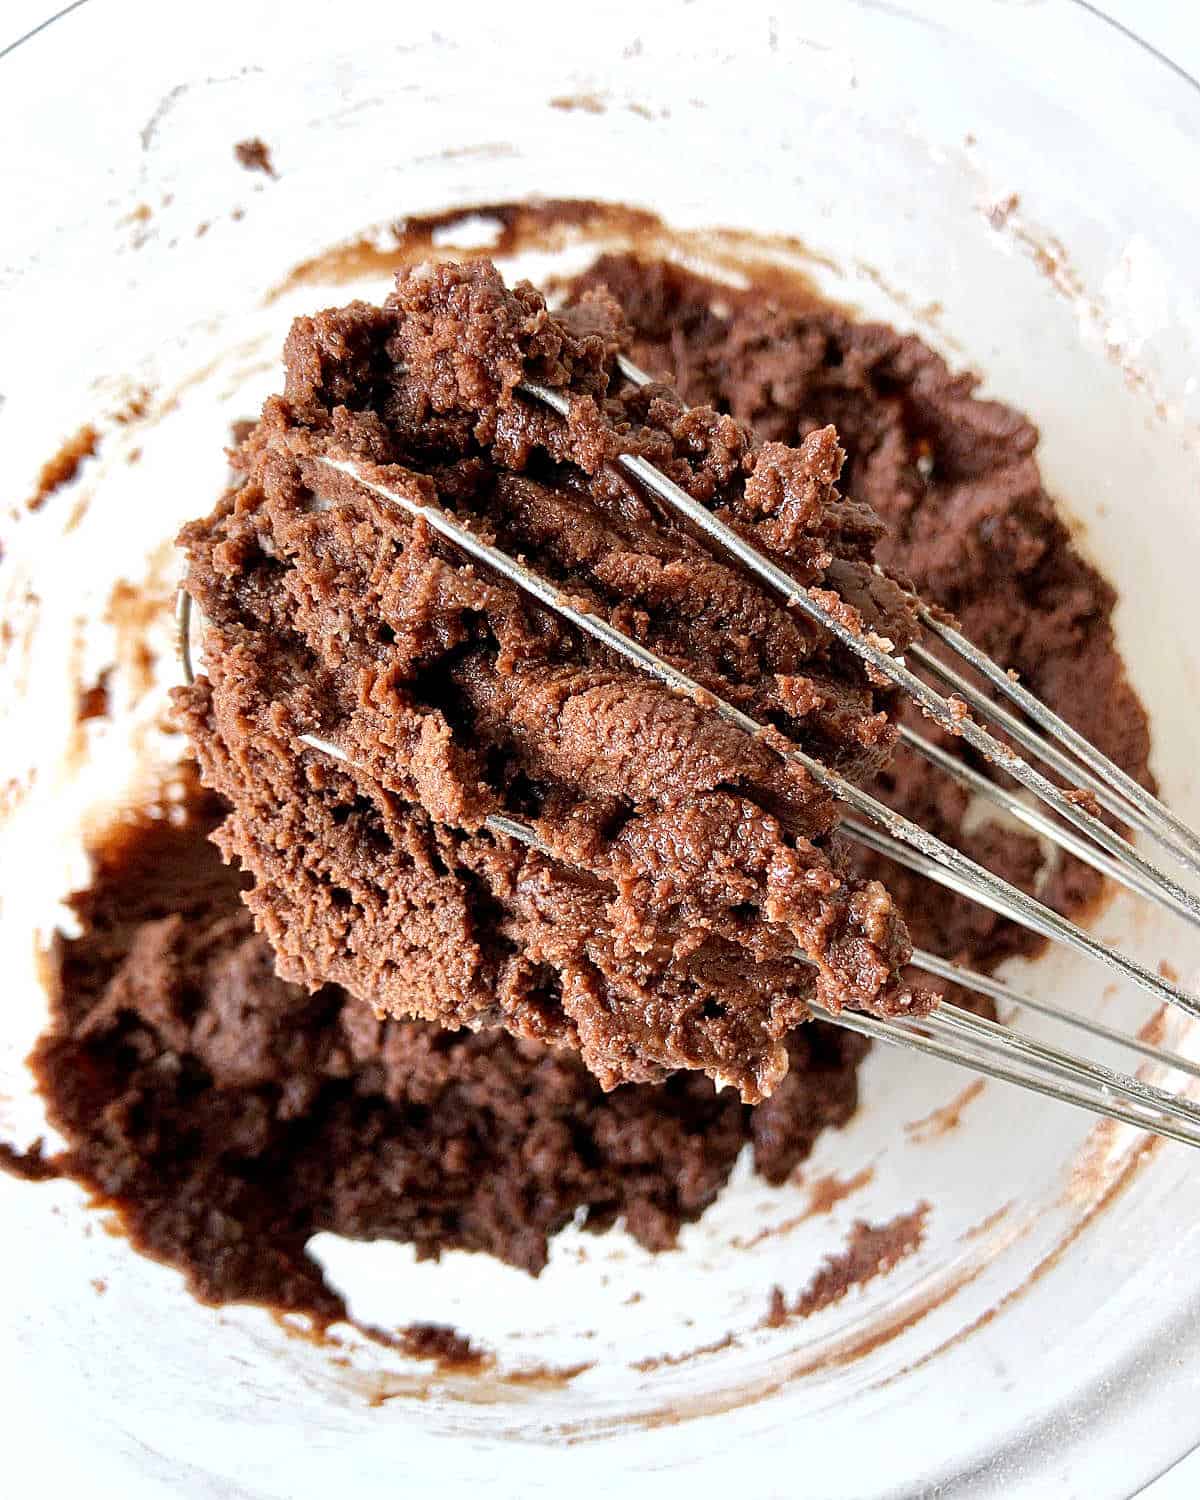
column 1070, row 818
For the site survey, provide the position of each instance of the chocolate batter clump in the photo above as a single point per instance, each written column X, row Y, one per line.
column 684, row 863
column 956, row 480
column 230, row 1115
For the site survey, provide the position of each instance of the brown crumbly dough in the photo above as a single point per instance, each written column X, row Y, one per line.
column 229, row 1115
column 690, row 861
column 956, row 479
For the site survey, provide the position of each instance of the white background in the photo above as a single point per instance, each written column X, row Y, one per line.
column 1173, row 26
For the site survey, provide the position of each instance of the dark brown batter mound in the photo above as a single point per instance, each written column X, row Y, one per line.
column 691, row 861
column 956, row 480
column 230, row 1115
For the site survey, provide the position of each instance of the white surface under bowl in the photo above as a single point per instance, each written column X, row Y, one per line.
column 1054, row 1302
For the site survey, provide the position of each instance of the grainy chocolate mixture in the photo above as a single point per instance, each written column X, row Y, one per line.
column 691, row 859
column 956, row 480
column 229, row 1114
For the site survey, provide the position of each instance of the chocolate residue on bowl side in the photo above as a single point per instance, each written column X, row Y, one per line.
column 255, row 156
column 988, row 1222
column 777, row 1310
column 946, row 1117
column 92, row 701
column 660, row 1361
column 592, row 104
column 59, row 471
column 483, row 1384
column 823, row 1197
column 135, row 407
column 827, row 1192
column 542, row 224
column 871, row 1250
column 442, row 1343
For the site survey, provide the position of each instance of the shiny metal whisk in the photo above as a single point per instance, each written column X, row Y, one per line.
column 950, row 1032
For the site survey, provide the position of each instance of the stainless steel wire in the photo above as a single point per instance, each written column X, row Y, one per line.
column 944, row 862
column 953, row 1034
column 950, row 1033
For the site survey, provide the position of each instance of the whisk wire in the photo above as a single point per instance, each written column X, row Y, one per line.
column 1093, row 1096
column 1037, row 820
column 943, row 857
column 877, row 655
column 1090, row 768
column 950, row 1033
column 1112, row 787
column 1091, row 1084
column 994, row 989
column 1060, row 1076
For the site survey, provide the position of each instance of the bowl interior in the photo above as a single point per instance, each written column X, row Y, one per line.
column 897, row 161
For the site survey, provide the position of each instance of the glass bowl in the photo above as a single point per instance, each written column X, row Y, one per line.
column 932, row 163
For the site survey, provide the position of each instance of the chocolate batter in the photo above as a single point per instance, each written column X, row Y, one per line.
column 691, row 861
column 956, row 480
column 228, row 1114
